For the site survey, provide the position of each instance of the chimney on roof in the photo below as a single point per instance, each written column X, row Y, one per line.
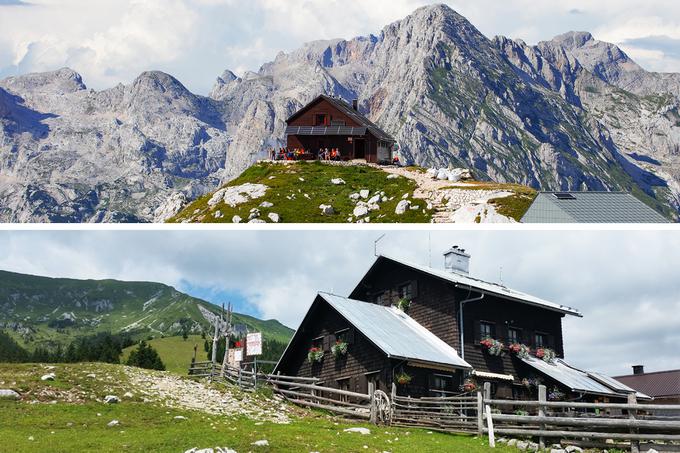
column 355, row 104
column 457, row 260
column 638, row 369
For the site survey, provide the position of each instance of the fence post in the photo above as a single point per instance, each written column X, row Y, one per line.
column 489, row 422
column 239, row 377
column 542, row 394
column 374, row 412
column 255, row 374
column 487, row 397
column 634, row 444
column 480, row 413
column 193, row 359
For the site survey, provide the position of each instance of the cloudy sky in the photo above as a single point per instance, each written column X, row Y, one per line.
column 627, row 284
column 112, row 41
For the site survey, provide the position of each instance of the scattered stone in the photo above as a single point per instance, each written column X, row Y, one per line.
column 254, row 214
column 354, row 197
column 302, row 179
column 359, row 430
column 373, row 207
column 218, row 214
column 111, row 399
column 338, row 182
column 180, row 417
column 557, row 450
column 261, row 443
column 392, row 176
column 405, row 196
column 522, row 445
column 91, row 376
column 234, row 196
column 128, row 395
column 236, row 219
column 360, row 211
column 327, row 209
column 375, row 199
column 415, row 207
column 512, row 442
column 574, row 448
column 364, row 193
column 49, row 377
column 266, row 204
column 113, row 423
column 402, row 207
column 274, row 217
column 9, row 395
column 31, row 438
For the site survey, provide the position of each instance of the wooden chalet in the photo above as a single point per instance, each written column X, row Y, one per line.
column 460, row 311
column 331, row 123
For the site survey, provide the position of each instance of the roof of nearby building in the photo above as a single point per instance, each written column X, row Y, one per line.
column 395, row 333
column 658, row 384
column 485, row 287
column 350, row 112
column 580, row 381
column 590, row 207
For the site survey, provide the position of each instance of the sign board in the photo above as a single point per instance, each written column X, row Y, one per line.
column 254, row 344
column 238, row 355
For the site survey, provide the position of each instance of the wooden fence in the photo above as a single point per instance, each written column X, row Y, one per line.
column 605, row 425
column 453, row 414
column 587, row 424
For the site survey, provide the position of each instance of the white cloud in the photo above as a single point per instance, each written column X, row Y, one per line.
column 111, row 41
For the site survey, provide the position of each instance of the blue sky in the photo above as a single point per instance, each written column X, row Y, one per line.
column 113, row 41
column 626, row 283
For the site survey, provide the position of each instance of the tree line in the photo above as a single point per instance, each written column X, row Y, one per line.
column 102, row 347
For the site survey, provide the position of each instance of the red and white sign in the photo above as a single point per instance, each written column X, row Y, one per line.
column 254, row 344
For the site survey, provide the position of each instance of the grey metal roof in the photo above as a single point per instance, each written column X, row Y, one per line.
column 590, row 207
column 580, row 381
column 325, row 130
column 489, row 287
column 349, row 111
column 395, row 333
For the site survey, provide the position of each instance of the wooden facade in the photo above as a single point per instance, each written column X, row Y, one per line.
column 363, row 362
column 337, row 126
column 435, row 304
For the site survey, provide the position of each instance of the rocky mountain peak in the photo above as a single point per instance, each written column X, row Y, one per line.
column 573, row 39
column 158, row 81
column 61, row 81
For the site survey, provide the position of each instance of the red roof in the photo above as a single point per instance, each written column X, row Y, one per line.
column 657, row 385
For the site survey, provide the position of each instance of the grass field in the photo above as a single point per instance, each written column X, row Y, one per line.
column 175, row 352
column 297, row 190
column 67, row 415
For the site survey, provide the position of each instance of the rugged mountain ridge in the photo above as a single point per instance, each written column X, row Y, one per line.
column 571, row 113
column 42, row 310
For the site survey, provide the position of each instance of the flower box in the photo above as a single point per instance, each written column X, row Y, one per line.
column 339, row 349
column 545, row 354
column 520, row 350
column 404, row 304
column 403, row 378
column 493, row 347
column 469, row 386
column 315, row 355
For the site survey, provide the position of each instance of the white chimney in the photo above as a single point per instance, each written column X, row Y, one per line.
column 457, row 260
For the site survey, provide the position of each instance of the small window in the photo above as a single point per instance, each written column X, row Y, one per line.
column 342, row 335
column 514, row 335
column 318, row 343
column 321, row 119
column 406, row 291
column 540, row 340
column 440, row 385
column 486, row 330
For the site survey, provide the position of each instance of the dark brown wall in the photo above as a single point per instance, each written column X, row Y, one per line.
column 362, row 356
column 312, row 143
column 435, row 306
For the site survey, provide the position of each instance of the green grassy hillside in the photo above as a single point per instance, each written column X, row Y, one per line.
column 297, row 190
column 77, row 419
column 175, row 352
column 47, row 311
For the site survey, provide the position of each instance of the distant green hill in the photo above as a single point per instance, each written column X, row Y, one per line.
column 48, row 311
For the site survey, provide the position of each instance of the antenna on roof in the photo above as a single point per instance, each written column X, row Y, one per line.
column 375, row 245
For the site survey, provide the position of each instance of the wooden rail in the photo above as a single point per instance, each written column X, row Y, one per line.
column 631, row 426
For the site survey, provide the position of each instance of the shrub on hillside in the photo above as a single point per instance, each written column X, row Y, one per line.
column 145, row 356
